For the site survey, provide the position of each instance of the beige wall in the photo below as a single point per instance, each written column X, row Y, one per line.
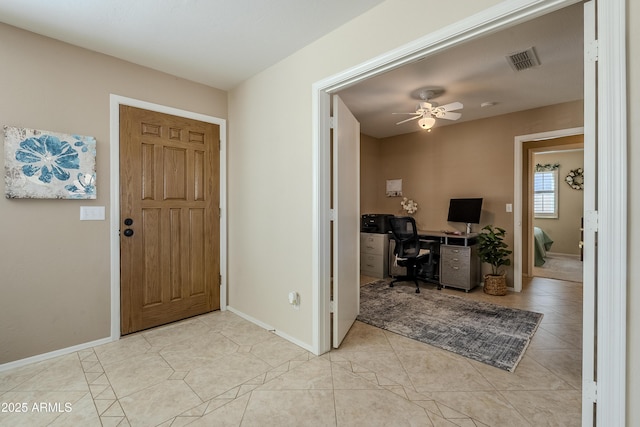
column 55, row 269
column 370, row 163
column 270, row 159
column 469, row 159
column 564, row 230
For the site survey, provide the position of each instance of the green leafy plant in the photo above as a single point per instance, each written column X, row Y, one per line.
column 492, row 249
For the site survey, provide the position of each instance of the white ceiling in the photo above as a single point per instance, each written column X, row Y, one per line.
column 478, row 72
column 220, row 43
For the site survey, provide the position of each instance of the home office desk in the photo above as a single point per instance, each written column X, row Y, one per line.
column 456, row 259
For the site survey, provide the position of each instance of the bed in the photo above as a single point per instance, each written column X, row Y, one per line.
column 542, row 244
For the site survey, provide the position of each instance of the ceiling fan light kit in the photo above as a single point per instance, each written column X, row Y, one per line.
column 427, row 122
column 427, row 112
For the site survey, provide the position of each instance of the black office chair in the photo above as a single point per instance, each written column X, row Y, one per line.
column 407, row 250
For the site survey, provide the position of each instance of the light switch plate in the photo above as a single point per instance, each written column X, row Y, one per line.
column 92, row 213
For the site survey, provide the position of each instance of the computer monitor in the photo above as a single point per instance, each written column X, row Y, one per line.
column 465, row 210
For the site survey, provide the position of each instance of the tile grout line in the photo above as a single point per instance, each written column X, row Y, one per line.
column 108, row 387
column 412, row 382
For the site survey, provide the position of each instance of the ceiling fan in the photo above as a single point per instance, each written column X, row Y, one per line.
column 427, row 112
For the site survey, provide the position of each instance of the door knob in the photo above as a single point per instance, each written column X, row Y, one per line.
column 128, row 221
column 128, row 232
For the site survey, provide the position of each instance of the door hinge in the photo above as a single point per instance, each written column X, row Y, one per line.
column 332, row 214
column 590, row 390
column 332, row 123
column 592, row 51
column 591, row 221
column 220, row 280
column 219, row 145
column 332, row 307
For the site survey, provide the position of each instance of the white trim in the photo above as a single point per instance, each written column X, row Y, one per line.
column 270, row 328
column 612, row 213
column 321, row 216
column 52, row 354
column 589, row 232
column 611, row 361
column 114, row 105
column 517, row 193
column 495, row 18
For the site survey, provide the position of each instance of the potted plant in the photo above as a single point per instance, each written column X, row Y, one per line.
column 493, row 250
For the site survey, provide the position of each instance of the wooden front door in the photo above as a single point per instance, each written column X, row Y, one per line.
column 169, row 218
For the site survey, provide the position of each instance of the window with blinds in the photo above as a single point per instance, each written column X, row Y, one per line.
column 545, row 194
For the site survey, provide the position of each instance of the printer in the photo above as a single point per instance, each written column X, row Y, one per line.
column 375, row 223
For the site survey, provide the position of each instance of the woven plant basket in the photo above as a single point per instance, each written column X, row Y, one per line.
column 495, row 285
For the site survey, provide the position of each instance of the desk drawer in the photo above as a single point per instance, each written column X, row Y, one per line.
column 455, row 254
column 371, row 243
column 458, row 266
column 372, row 265
column 454, row 275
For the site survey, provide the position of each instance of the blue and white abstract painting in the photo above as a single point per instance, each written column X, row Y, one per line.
column 47, row 165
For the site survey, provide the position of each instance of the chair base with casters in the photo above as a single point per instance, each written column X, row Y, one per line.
column 411, row 273
column 413, row 268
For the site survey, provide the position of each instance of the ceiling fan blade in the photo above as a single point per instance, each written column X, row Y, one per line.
column 452, row 106
column 407, row 120
column 449, row 115
column 408, row 113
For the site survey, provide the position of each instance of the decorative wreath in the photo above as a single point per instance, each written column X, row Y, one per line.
column 575, row 179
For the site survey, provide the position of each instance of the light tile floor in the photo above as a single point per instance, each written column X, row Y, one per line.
column 218, row 369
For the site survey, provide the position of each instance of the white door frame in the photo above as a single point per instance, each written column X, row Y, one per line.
column 114, row 157
column 518, row 195
column 612, row 183
column 610, row 221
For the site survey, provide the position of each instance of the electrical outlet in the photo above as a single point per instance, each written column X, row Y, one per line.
column 294, row 299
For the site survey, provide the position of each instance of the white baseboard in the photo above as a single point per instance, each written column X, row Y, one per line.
column 84, row 346
column 270, row 328
column 52, row 354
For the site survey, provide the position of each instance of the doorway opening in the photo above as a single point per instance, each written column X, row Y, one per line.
column 611, row 359
column 555, row 208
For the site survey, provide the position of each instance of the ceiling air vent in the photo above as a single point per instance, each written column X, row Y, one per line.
column 523, row 60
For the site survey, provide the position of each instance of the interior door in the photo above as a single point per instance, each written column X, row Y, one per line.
column 531, row 150
column 589, row 286
column 169, row 218
column 346, row 222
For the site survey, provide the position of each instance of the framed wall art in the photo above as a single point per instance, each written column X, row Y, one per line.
column 41, row 164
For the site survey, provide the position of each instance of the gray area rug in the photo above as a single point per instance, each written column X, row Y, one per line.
column 488, row 333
